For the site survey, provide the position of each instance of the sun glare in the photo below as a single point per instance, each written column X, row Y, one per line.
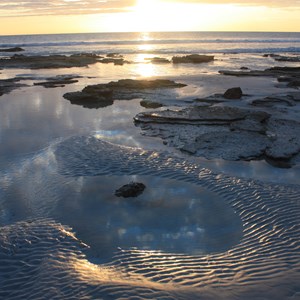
column 158, row 15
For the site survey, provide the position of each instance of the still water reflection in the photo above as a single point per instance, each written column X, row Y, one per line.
column 170, row 215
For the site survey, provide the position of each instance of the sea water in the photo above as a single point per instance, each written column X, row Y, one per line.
column 157, row 42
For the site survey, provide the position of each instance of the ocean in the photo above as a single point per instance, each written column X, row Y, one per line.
column 157, row 43
column 202, row 229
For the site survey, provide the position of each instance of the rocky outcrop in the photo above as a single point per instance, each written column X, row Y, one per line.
column 225, row 132
column 48, row 62
column 133, row 189
column 192, row 58
column 101, row 95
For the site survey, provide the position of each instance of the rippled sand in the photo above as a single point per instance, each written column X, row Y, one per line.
column 41, row 258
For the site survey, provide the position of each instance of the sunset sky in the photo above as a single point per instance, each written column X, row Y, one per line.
column 70, row 16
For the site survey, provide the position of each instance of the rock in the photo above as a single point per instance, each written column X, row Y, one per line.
column 48, row 62
column 235, row 145
column 8, row 85
column 294, row 84
column 58, row 81
column 233, row 93
column 246, row 73
column 158, row 60
column 150, row 104
column 132, row 189
column 200, row 115
column 14, row 49
column 273, row 100
column 286, row 141
column 286, row 58
column 144, row 84
column 103, row 94
column 91, row 97
column 114, row 55
column 244, row 68
column 116, row 61
column 193, row 58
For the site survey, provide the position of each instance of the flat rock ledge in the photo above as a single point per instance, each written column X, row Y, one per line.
column 48, row 62
column 192, row 58
column 58, row 81
column 228, row 133
column 102, row 95
column 289, row 75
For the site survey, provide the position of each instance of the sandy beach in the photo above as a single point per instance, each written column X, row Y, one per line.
column 214, row 138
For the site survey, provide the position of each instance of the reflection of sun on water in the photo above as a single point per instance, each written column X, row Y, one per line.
column 145, row 70
column 143, row 67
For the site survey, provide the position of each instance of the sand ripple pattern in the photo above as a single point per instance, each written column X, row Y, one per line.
column 43, row 259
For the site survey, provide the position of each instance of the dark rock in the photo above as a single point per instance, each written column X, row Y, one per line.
column 59, row 81
column 271, row 101
column 201, row 115
column 144, row 84
column 114, row 55
column 14, row 49
column 193, row 58
column 234, row 145
column 124, row 89
column 150, row 104
column 112, row 60
column 132, row 189
column 158, row 60
column 8, row 85
column 283, row 58
column 48, row 62
column 294, row 84
column 286, row 139
column 244, row 68
column 233, row 93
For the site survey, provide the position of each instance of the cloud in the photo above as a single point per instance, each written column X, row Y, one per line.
column 271, row 3
column 15, row 8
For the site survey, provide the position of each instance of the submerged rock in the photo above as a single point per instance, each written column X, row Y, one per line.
column 102, row 95
column 192, row 58
column 132, row 189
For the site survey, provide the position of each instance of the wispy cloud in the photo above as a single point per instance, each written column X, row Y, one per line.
column 13, row 8
column 271, row 3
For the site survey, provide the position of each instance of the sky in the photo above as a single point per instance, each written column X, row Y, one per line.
column 75, row 16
